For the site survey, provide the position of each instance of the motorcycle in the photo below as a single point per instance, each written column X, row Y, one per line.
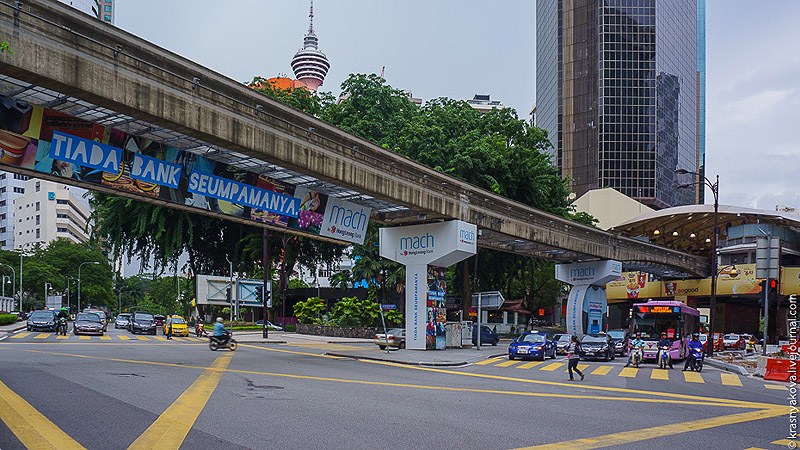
column 698, row 360
column 226, row 341
column 638, row 354
column 62, row 326
column 663, row 358
column 199, row 330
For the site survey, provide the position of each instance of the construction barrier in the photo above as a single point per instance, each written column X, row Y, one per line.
column 780, row 369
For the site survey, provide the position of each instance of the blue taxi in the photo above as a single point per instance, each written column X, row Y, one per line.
column 532, row 344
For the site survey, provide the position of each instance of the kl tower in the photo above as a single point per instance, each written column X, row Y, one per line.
column 309, row 64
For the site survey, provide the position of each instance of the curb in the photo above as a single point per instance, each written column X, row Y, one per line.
column 412, row 363
column 248, row 341
column 727, row 367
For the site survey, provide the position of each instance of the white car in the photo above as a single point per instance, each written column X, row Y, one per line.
column 270, row 325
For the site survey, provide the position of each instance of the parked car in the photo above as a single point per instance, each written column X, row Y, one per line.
column 733, row 341
column 396, row 337
column 159, row 319
column 488, row 336
column 102, row 314
column 177, row 324
column 620, row 339
column 88, row 323
column 20, row 315
column 562, row 341
column 597, row 345
column 123, row 320
column 718, row 347
column 270, row 325
column 42, row 320
column 142, row 322
column 532, row 345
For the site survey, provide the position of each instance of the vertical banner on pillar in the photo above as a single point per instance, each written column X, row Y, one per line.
column 575, row 310
column 416, row 313
column 435, row 337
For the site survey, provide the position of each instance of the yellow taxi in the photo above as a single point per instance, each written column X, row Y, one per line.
column 178, row 325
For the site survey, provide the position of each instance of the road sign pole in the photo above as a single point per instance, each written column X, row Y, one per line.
column 478, row 329
column 385, row 333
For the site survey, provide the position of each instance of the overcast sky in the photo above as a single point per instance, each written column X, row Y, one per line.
column 457, row 48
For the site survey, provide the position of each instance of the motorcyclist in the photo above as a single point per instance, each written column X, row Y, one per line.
column 638, row 342
column 220, row 332
column 694, row 345
column 663, row 346
column 63, row 314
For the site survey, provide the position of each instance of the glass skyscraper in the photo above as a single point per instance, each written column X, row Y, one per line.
column 617, row 91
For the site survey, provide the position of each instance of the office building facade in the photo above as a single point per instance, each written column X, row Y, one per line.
column 47, row 211
column 12, row 186
column 616, row 89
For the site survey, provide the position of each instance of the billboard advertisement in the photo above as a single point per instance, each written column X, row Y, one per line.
column 43, row 140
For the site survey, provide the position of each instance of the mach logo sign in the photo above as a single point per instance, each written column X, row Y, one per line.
column 417, row 245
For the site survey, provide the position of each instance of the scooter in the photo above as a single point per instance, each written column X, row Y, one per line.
column 636, row 359
column 698, row 360
column 226, row 341
column 62, row 326
column 664, row 358
column 199, row 329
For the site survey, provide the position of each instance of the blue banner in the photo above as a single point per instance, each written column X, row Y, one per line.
column 243, row 194
column 155, row 171
column 85, row 152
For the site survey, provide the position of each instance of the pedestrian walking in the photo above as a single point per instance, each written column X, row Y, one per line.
column 169, row 328
column 573, row 357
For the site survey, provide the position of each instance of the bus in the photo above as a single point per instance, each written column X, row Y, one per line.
column 674, row 318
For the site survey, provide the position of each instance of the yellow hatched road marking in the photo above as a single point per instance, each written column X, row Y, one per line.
column 62, row 337
column 730, row 379
column 105, row 337
column 31, row 427
column 42, row 336
column 529, row 365
column 170, row 429
column 192, row 339
column 776, row 387
column 693, row 377
column 20, row 335
column 124, row 337
column 552, row 367
column 629, row 372
column 755, row 448
column 143, row 338
column 786, row 442
column 488, row 361
column 84, row 338
column 510, row 362
column 659, row 374
column 177, row 339
column 581, row 367
column 159, row 338
column 602, row 370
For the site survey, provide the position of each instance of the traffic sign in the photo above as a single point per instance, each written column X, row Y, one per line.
column 388, row 307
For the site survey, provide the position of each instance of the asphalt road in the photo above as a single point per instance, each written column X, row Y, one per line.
column 112, row 393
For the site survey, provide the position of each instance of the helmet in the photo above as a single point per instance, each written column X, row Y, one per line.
column 695, row 335
column 663, row 334
column 638, row 334
column 64, row 309
column 219, row 319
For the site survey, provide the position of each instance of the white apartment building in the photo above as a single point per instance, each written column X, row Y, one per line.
column 12, row 186
column 48, row 211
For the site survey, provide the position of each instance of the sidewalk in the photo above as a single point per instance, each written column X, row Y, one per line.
column 5, row 330
column 282, row 337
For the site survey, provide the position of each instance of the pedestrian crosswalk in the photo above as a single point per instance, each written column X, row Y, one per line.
column 50, row 337
column 727, row 379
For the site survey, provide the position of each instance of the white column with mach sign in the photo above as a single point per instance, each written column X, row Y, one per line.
column 587, row 303
column 416, row 247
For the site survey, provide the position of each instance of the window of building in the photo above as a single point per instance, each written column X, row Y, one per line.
column 2, row 190
column 38, row 234
column 2, row 243
column 20, row 177
column 19, row 190
column 37, row 206
column 62, row 230
column 108, row 8
column 61, row 202
column 2, row 176
column 38, row 185
column 3, row 230
column 2, row 217
column 2, row 203
column 107, row 18
column 37, row 219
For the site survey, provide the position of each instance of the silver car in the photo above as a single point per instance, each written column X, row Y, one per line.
column 88, row 323
column 122, row 321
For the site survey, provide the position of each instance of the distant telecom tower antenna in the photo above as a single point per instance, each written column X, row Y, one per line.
column 309, row 64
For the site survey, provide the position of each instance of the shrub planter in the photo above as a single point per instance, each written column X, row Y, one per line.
column 351, row 332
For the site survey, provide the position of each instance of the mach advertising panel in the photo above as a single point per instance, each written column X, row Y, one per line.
column 47, row 141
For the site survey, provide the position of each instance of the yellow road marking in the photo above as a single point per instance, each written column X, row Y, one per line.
column 31, row 427
column 488, row 361
column 786, row 442
column 143, row 338
column 692, row 377
column 20, row 335
column 581, row 367
column 105, row 337
column 776, row 387
column 192, row 339
column 730, row 379
column 42, row 336
column 552, row 367
column 510, row 362
column 124, row 337
column 159, row 338
column 62, row 337
column 602, row 370
column 659, row 374
column 755, row 448
column 628, row 437
column 84, row 338
column 529, row 365
column 172, row 426
column 177, row 339
column 629, row 372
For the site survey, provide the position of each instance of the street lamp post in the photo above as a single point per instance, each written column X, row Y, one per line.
column 714, row 243
column 14, row 287
column 79, row 283
column 69, row 279
column 46, row 286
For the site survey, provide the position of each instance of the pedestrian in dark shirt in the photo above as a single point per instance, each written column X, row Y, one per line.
column 573, row 357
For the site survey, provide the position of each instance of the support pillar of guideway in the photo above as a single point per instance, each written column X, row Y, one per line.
column 587, row 303
column 418, row 247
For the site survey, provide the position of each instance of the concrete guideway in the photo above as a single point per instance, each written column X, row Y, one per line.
column 77, row 56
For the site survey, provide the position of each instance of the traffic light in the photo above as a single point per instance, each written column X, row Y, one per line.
column 260, row 293
column 268, row 299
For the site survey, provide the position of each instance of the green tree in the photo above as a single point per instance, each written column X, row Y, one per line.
column 4, row 48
